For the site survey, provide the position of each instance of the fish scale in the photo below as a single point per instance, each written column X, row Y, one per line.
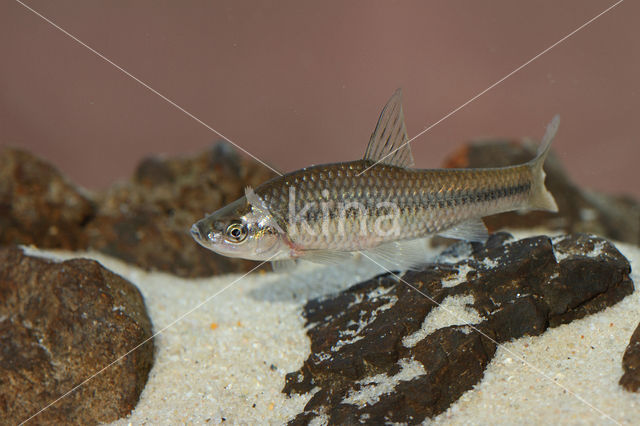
column 428, row 200
column 379, row 204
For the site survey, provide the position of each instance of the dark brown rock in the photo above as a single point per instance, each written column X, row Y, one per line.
column 146, row 221
column 614, row 217
column 630, row 380
column 38, row 205
column 513, row 288
column 60, row 323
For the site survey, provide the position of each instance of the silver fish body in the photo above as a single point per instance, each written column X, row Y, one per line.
column 323, row 212
column 338, row 205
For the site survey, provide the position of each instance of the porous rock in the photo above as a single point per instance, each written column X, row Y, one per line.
column 61, row 323
column 630, row 380
column 38, row 205
column 580, row 210
column 146, row 221
column 391, row 350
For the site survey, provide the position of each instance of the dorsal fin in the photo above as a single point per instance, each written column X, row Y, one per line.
column 390, row 134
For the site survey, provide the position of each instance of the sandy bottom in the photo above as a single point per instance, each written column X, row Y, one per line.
column 569, row 375
column 225, row 345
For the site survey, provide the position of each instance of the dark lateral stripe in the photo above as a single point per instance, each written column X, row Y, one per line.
column 503, row 192
column 491, row 194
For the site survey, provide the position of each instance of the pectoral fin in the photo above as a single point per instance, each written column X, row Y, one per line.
column 325, row 257
column 261, row 208
column 283, row 265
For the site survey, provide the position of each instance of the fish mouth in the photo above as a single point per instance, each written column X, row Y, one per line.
column 199, row 237
column 195, row 232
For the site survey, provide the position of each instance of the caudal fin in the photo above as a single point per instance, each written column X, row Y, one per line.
column 541, row 198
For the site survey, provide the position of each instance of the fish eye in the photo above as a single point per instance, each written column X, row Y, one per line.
column 236, row 232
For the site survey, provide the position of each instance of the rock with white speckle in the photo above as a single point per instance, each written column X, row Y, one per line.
column 61, row 323
column 378, row 355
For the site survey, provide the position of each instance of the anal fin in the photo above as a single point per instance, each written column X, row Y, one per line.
column 398, row 255
column 470, row 230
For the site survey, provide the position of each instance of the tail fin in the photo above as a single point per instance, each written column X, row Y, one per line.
column 541, row 198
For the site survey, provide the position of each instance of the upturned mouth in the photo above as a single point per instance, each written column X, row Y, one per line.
column 202, row 237
column 199, row 237
column 195, row 232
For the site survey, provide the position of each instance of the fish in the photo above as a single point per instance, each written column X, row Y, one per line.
column 380, row 206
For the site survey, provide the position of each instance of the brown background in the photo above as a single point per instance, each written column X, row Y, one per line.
column 300, row 82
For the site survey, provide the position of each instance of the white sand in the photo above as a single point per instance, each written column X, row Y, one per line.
column 570, row 376
column 454, row 310
column 229, row 357
column 217, row 361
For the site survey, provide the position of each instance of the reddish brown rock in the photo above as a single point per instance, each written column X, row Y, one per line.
column 38, row 205
column 581, row 210
column 146, row 221
column 60, row 323
column 366, row 363
column 630, row 380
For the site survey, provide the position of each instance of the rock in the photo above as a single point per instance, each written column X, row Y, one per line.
column 146, row 221
column 630, row 380
column 61, row 323
column 387, row 351
column 38, row 205
column 614, row 217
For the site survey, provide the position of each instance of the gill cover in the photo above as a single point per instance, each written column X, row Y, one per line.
column 244, row 228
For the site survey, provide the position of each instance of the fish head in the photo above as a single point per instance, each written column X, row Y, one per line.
column 244, row 229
